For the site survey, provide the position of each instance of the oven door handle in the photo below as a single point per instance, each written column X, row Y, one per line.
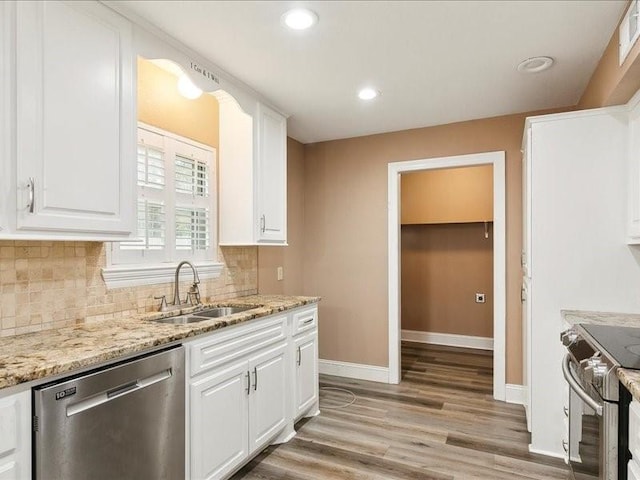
column 576, row 387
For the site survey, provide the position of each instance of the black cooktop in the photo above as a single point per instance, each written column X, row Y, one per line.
column 621, row 343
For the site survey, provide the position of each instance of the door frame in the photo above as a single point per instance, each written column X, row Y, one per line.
column 497, row 159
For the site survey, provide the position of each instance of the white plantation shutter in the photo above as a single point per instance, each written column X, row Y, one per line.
column 192, row 229
column 175, row 204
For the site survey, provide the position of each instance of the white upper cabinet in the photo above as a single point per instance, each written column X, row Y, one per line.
column 633, row 224
column 74, row 139
column 253, row 174
column 272, row 176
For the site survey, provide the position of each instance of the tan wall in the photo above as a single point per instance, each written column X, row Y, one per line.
column 611, row 83
column 160, row 105
column 448, row 195
column 289, row 257
column 345, row 230
column 443, row 266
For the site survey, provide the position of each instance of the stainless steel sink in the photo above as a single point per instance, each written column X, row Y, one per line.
column 221, row 311
column 208, row 314
column 181, row 320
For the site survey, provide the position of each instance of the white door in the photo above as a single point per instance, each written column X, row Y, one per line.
column 267, row 400
column 219, row 422
column 306, row 379
column 75, row 128
column 272, row 176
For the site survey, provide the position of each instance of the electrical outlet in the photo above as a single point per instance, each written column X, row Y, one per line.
column 480, row 298
column 280, row 271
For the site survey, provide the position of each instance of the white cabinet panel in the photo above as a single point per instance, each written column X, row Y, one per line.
column 15, row 436
column 306, row 378
column 253, row 174
column 633, row 212
column 577, row 176
column 272, row 175
column 633, row 470
column 267, row 400
column 75, row 116
column 219, row 426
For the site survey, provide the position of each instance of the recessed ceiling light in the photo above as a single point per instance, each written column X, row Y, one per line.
column 368, row 93
column 535, row 64
column 299, row 18
column 187, row 89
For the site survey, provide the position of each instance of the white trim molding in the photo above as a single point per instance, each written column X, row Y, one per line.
column 371, row 373
column 514, row 394
column 395, row 169
column 134, row 275
column 449, row 339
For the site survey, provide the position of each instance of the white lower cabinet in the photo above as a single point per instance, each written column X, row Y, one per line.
column 306, row 377
column 267, row 396
column 219, row 422
column 241, row 385
column 15, row 436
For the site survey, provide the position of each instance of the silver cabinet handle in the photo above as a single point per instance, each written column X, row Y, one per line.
column 32, row 194
column 248, row 383
column 566, row 411
column 263, row 223
column 299, row 356
column 255, row 378
column 565, row 446
column 308, row 321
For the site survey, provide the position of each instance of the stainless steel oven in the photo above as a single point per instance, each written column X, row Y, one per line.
column 593, row 429
column 596, row 444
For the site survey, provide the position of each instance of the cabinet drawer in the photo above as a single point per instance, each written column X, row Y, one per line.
column 225, row 346
column 305, row 320
column 634, row 429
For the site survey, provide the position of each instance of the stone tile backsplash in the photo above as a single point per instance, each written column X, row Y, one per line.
column 46, row 285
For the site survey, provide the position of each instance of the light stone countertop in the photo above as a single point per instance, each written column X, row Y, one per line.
column 38, row 355
column 629, row 378
column 574, row 317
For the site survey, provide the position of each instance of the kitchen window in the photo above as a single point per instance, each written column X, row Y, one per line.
column 176, row 212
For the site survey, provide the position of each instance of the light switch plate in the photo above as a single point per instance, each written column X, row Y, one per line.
column 280, row 273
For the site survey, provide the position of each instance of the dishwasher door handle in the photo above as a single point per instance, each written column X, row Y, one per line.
column 112, row 394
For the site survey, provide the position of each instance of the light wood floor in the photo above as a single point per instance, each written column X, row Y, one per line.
column 440, row 422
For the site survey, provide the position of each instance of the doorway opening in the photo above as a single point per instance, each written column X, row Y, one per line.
column 413, row 233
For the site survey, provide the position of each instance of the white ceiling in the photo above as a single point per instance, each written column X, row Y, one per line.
column 435, row 62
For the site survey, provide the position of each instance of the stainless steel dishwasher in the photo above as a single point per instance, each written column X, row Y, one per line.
column 126, row 421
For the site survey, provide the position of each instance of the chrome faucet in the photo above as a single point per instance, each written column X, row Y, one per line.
column 194, row 288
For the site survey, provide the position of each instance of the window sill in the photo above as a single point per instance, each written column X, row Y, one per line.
column 118, row 276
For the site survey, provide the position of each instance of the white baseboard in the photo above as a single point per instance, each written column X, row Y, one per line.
column 514, row 394
column 449, row 339
column 371, row 373
column 546, row 452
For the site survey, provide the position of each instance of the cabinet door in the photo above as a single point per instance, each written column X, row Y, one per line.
column 633, row 212
column 219, row 422
column 75, row 129
column 306, row 379
column 272, row 176
column 15, row 436
column 267, row 400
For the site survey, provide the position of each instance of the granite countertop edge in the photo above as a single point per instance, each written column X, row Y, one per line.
column 35, row 356
column 629, row 378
